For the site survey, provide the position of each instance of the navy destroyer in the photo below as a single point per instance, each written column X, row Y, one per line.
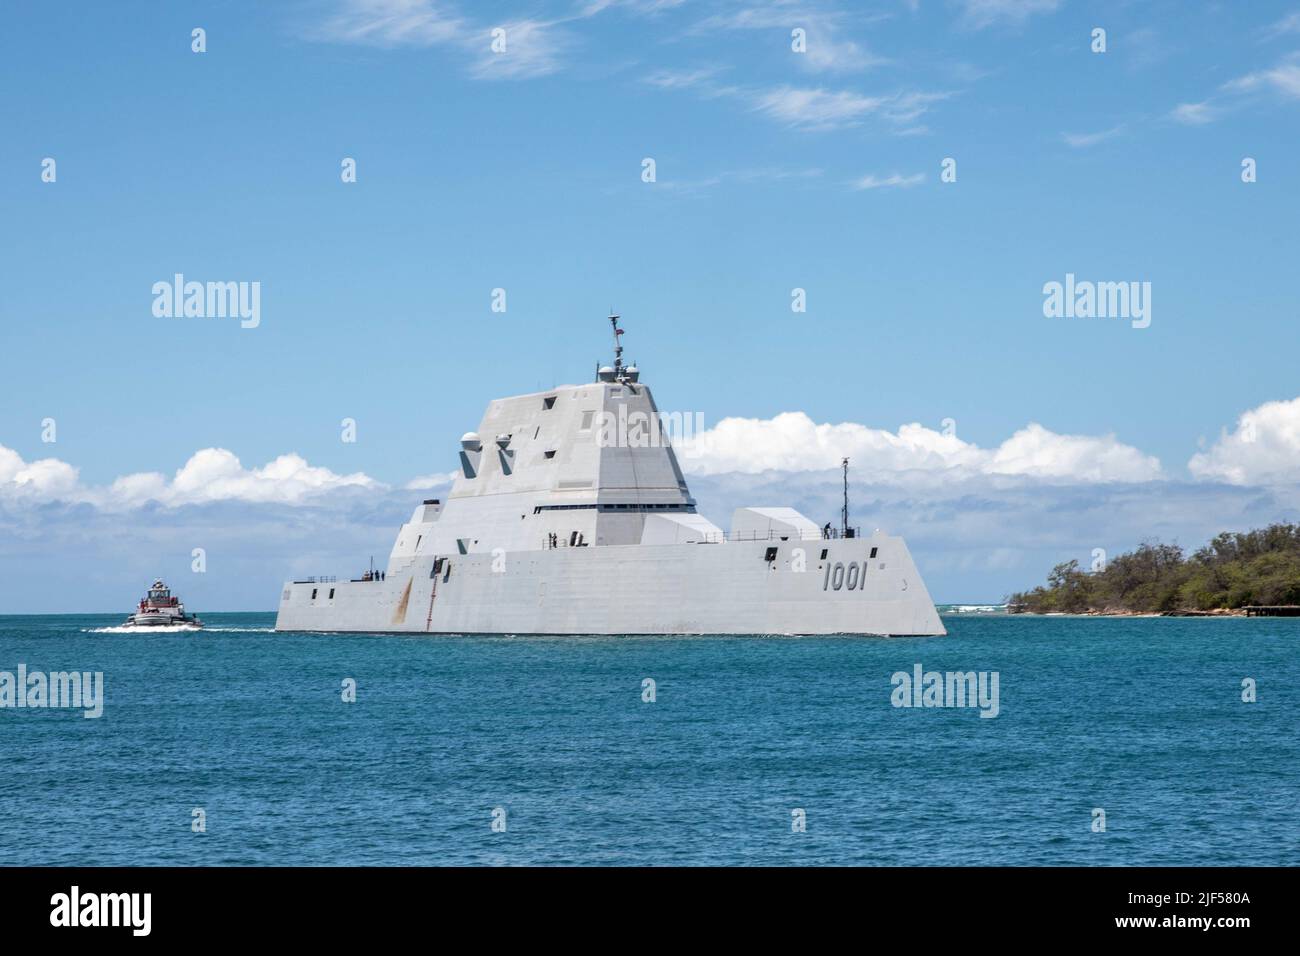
column 568, row 518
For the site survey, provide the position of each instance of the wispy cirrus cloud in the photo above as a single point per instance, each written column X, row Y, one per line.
column 978, row 14
column 1083, row 140
column 894, row 180
column 763, row 175
column 1284, row 78
column 826, row 45
column 392, row 23
column 806, row 108
column 533, row 48
column 698, row 79
column 1289, row 24
column 1281, row 81
column 1195, row 114
column 816, row 108
column 523, row 48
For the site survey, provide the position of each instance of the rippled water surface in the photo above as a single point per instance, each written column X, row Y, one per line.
column 1142, row 718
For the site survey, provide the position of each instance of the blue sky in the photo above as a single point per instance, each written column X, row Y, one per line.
column 522, row 170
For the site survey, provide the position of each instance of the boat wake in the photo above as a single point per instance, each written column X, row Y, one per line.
column 145, row 629
column 174, row 629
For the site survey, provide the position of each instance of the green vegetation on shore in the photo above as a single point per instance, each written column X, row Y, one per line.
column 1232, row 571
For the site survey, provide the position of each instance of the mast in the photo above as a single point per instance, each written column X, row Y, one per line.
column 844, row 515
column 618, row 347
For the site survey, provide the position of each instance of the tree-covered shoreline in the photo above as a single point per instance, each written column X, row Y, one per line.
column 1260, row 567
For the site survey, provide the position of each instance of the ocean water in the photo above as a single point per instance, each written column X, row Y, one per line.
column 1142, row 718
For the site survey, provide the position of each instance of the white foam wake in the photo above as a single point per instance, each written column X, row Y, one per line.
column 144, row 629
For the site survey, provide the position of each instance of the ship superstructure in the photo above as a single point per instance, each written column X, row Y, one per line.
column 571, row 515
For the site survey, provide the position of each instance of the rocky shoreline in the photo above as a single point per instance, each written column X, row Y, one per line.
column 1124, row 612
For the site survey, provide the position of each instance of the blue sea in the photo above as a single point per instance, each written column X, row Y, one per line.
column 1140, row 718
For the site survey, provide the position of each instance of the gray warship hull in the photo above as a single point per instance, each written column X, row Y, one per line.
column 726, row 588
column 570, row 515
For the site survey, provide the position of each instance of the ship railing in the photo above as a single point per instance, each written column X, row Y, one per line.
column 319, row 579
column 821, row 534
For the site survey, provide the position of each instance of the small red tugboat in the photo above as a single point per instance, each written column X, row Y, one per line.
column 159, row 607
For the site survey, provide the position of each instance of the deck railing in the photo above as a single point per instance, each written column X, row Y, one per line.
column 820, row 534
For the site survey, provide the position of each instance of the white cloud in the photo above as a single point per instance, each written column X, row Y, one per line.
column 816, row 108
column 640, row 7
column 1081, row 140
column 871, row 181
column 212, row 474
column 1283, row 78
column 682, row 79
column 1195, row 114
column 983, row 13
column 809, row 108
column 1288, row 24
column 1264, row 449
column 826, row 47
column 532, row 47
column 1037, row 452
column 906, row 107
column 394, row 23
column 435, row 480
column 792, row 442
column 822, row 109
column 825, row 54
column 215, row 474
column 43, row 479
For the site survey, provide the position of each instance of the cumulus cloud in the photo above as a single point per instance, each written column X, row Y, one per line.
column 46, row 478
column 211, row 474
column 428, row 482
column 981, row 521
column 1264, row 448
column 793, row 442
